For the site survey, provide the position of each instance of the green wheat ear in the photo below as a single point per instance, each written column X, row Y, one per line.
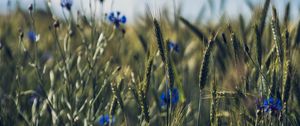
column 277, row 35
column 270, row 57
column 160, row 40
column 204, row 70
column 205, row 65
column 236, row 44
column 178, row 115
column 287, row 14
column 116, row 89
column 164, row 52
column 144, row 89
column 287, row 81
column 170, row 69
column 134, row 90
column 258, row 46
column 194, row 29
column 261, row 24
column 147, row 76
column 259, row 28
column 213, row 104
column 273, row 86
column 287, row 44
column 144, row 104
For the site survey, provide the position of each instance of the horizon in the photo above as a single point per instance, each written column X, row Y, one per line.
column 134, row 8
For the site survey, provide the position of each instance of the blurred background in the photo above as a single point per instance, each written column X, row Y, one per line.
column 208, row 10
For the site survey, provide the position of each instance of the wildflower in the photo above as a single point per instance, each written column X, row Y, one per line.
column 166, row 98
column 66, row 3
column 33, row 37
column 271, row 104
column 105, row 120
column 173, row 46
column 117, row 19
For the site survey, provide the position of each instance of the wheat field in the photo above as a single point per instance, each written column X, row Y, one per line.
column 161, row 70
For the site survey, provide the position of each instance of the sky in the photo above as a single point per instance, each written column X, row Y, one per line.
column 133, row 8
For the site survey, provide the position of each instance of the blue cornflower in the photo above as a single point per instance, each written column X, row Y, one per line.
column 32, row 36
column 104, row 120
column 166, row 98
column 173, row 46
column 66, row 3
column 117, row 19
column 271, row 104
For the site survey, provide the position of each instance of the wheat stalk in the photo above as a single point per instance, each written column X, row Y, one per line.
column 205, row 65
column 204, row 72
